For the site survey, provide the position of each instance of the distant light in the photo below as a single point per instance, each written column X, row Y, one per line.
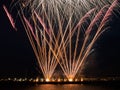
column 30, row 79
column 9, row 79
column 15, row 79
column 82, row 80
column 37, row 79
column 65, row 80
column 20, row 79
column 47, row 79
column 76, row 80
column 58, row 80
column 70, row 79
column 25, row 79
column 53, row 80
column 41, row 79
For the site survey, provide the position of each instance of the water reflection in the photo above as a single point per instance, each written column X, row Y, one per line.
column 62, row 87
column 72, row 87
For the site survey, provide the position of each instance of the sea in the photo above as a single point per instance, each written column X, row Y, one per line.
column 61, row 87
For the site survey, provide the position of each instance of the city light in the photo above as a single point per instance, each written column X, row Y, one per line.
column 70, row 80
column 47, row 80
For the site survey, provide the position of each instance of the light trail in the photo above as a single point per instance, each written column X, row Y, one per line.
column 10, row 17
column 57, row 34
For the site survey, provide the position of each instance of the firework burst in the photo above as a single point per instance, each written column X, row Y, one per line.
column 60, row 31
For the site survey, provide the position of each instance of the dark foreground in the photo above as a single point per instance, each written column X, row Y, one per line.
column 115, row 85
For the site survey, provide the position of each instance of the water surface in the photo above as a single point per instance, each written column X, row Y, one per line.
column 61, row 87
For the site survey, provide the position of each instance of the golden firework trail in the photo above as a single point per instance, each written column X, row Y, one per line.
column 57, row 33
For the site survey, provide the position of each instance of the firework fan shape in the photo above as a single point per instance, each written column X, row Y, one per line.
column 60, row 31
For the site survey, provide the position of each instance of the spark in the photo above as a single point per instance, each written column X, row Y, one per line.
column 9, row 17
column 31, row 28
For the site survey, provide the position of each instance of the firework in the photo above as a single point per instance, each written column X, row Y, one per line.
column 60, row 32
column 9, row 17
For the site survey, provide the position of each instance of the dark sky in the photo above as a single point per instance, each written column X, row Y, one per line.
column 17, row 57
column 16, row 54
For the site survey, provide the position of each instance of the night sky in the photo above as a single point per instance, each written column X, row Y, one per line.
column 17, row 58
